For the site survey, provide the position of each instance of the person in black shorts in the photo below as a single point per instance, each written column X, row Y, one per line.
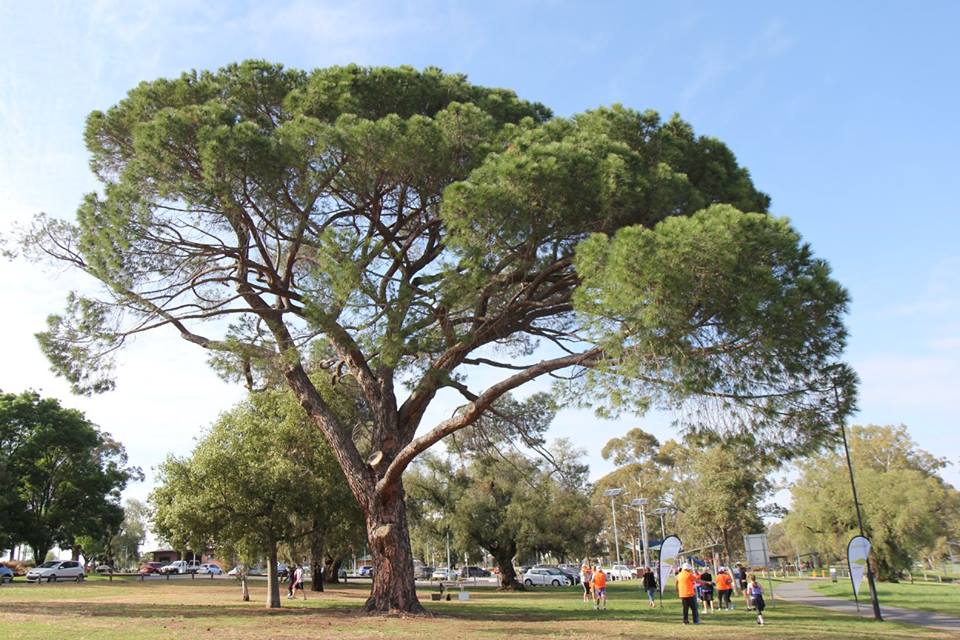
column 706, row 590
column 742, row 583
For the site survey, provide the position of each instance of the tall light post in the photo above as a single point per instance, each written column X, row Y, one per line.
column 639, row 504
column 612, row 494
column 661, row 511
column 856, row 502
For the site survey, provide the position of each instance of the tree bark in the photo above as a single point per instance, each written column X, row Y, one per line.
column 331, row 569
column 273, row 583
column 508, row 577
column 316, row 556
column 393, row 589
column 244, row 588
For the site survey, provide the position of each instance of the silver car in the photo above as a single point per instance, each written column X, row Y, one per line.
column 57, row 570
column 546, row 576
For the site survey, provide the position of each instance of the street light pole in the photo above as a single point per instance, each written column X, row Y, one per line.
column 639, row 503
column 612, row 494
column 661, row 511
column 856, row 502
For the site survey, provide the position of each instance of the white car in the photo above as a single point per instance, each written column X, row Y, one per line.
column 210, row 569
column 181, row 566
column 444, row 574
column 619, row 572
column 546, row 576
column 251, row 571
column 57, row 570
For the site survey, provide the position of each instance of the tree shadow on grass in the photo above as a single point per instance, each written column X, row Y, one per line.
column 148, row 610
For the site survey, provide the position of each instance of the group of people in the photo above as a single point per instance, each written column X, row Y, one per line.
column 693, row 587
column 594, row 582
column 699, row 586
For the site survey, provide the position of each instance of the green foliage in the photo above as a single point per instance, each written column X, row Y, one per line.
column 511, row 506
column 254, row 479
column 907, row 507
column 723, row 307
column 714, row 492
column 65, row 475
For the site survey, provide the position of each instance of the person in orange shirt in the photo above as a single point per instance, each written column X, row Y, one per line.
column 724, row 588
column 599, row 581
column 687, row 591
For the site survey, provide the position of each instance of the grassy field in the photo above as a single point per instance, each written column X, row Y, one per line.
column 926, row 596
column 212, row 609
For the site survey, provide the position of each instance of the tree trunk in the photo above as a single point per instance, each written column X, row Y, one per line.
column 273, row 583
column 331, row 570
column 244, row 587
column 393, row 589
column 316, row 556
column 508, row 576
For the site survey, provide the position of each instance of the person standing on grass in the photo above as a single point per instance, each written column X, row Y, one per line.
column 650, row 586
column 706, row 590
column 291, row 581
column 586, row 575
column 724, row 588
column 298, row 582
column 599, row 581
column 687, row 592
column 756, row 593
column 742, row 579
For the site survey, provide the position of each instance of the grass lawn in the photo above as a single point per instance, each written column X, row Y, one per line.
column 927, row 596
column 203, row 609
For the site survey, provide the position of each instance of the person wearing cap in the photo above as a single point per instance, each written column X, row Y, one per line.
column 724, row 588
column 687, row 592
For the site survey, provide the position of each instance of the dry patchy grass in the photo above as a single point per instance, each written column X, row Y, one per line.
column 204, row 609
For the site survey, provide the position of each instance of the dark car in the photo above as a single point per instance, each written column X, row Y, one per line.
column 6, row 574
column 474, row 572
column 424, row 573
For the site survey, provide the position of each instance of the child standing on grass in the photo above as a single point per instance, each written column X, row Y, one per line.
column 756, row 592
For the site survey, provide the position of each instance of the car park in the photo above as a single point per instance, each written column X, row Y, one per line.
column 55, row 570
column 546, row 576
column 6, row 574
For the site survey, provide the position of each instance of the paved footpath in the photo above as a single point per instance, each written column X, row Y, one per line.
column 802, row 593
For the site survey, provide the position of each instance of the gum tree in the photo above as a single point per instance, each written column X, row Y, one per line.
column 426, row 230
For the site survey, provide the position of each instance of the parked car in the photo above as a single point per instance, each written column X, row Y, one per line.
column 619, row 572
column 423, row 572
column 365, row 572
column 57, row 570
column 6, row 574
column 474, row 572
column 150, row 567
column 282, row 570
column 209, row 568
column 444, row 574
column 251, row 571
column 546, row 576
column 104, row 568
column 571, row 572
column 181, row 566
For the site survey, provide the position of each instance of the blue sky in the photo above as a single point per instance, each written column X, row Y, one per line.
column 845, row 113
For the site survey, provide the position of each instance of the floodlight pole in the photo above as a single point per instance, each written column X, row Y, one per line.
column 856, row 502
column 613, row 493
column 639, row 503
